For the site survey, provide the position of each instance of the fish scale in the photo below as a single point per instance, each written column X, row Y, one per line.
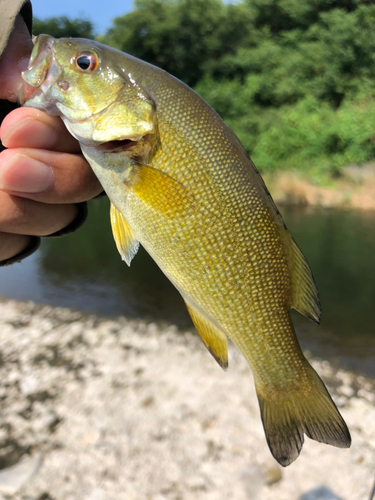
column 181, row 185
column 234, row 286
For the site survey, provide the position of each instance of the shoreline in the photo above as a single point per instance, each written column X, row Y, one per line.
column 100, row 409
column 354, row 189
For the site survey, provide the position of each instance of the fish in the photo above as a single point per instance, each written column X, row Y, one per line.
column 181, row 185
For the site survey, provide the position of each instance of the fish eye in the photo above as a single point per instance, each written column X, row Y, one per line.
column 86, row 61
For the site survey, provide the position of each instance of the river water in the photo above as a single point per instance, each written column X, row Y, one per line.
column 85, row 272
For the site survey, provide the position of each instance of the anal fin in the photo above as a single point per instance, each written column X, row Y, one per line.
column 126, row 244
column 213, row 338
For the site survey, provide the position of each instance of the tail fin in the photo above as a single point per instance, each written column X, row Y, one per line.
column 288, row 418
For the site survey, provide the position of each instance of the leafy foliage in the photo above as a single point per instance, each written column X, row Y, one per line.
column 60, row 27
column 294, row 79
column 181, row 37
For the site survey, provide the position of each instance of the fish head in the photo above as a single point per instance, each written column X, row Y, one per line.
column 88, row 85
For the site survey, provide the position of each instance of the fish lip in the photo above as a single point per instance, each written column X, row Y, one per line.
column 44, row 45
column 40, row 62
column 25, row 93
column 43, row 70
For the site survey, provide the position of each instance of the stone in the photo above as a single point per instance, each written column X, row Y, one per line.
column 196, row 483
column 369, row 396
column 29, row 385
column 15, row 477
column 252, row 480
column 96, row 494
column 272, row 473
column 347, row 391
column 320, row 493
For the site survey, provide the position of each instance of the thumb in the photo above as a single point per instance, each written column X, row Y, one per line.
column 14, row 60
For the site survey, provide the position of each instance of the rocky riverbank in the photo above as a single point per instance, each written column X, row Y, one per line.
column 353, row 189
column 100, row 409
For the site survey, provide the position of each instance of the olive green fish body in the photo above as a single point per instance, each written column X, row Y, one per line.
column 182, row 186
column 224, row 250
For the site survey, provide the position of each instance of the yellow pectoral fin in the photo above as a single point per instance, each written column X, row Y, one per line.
column 214, row 339
column 159, row 191
column 126, row 244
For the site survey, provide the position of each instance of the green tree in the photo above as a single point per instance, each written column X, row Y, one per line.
column 294, row 79
column 285, row 15
column 183, row 37
column 60, row 27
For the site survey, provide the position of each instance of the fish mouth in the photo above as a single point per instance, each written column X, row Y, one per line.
column 25, row 93
column 43, row 70
column 40, row 61
column 117, row 145
column 137, row 149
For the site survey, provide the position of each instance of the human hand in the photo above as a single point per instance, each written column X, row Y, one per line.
column 42, row 173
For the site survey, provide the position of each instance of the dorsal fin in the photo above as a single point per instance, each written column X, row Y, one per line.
column 213, row 338
column 304, row 294
column 304, row 297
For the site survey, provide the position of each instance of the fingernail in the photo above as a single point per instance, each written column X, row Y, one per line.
column 30, row 132
column 25, row 175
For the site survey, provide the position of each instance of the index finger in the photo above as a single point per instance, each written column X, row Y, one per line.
column 47, row 176
column 33, row 128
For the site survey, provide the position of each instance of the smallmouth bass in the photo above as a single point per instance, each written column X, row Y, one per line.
column 181, row 185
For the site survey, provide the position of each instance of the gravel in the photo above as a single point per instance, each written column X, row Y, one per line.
column 102, row 409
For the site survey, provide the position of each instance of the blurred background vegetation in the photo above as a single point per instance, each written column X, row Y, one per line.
column 294, row 79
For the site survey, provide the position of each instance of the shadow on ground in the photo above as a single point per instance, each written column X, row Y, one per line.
column 321, row 493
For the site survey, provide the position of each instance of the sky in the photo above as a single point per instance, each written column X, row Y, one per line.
column 99, row 12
